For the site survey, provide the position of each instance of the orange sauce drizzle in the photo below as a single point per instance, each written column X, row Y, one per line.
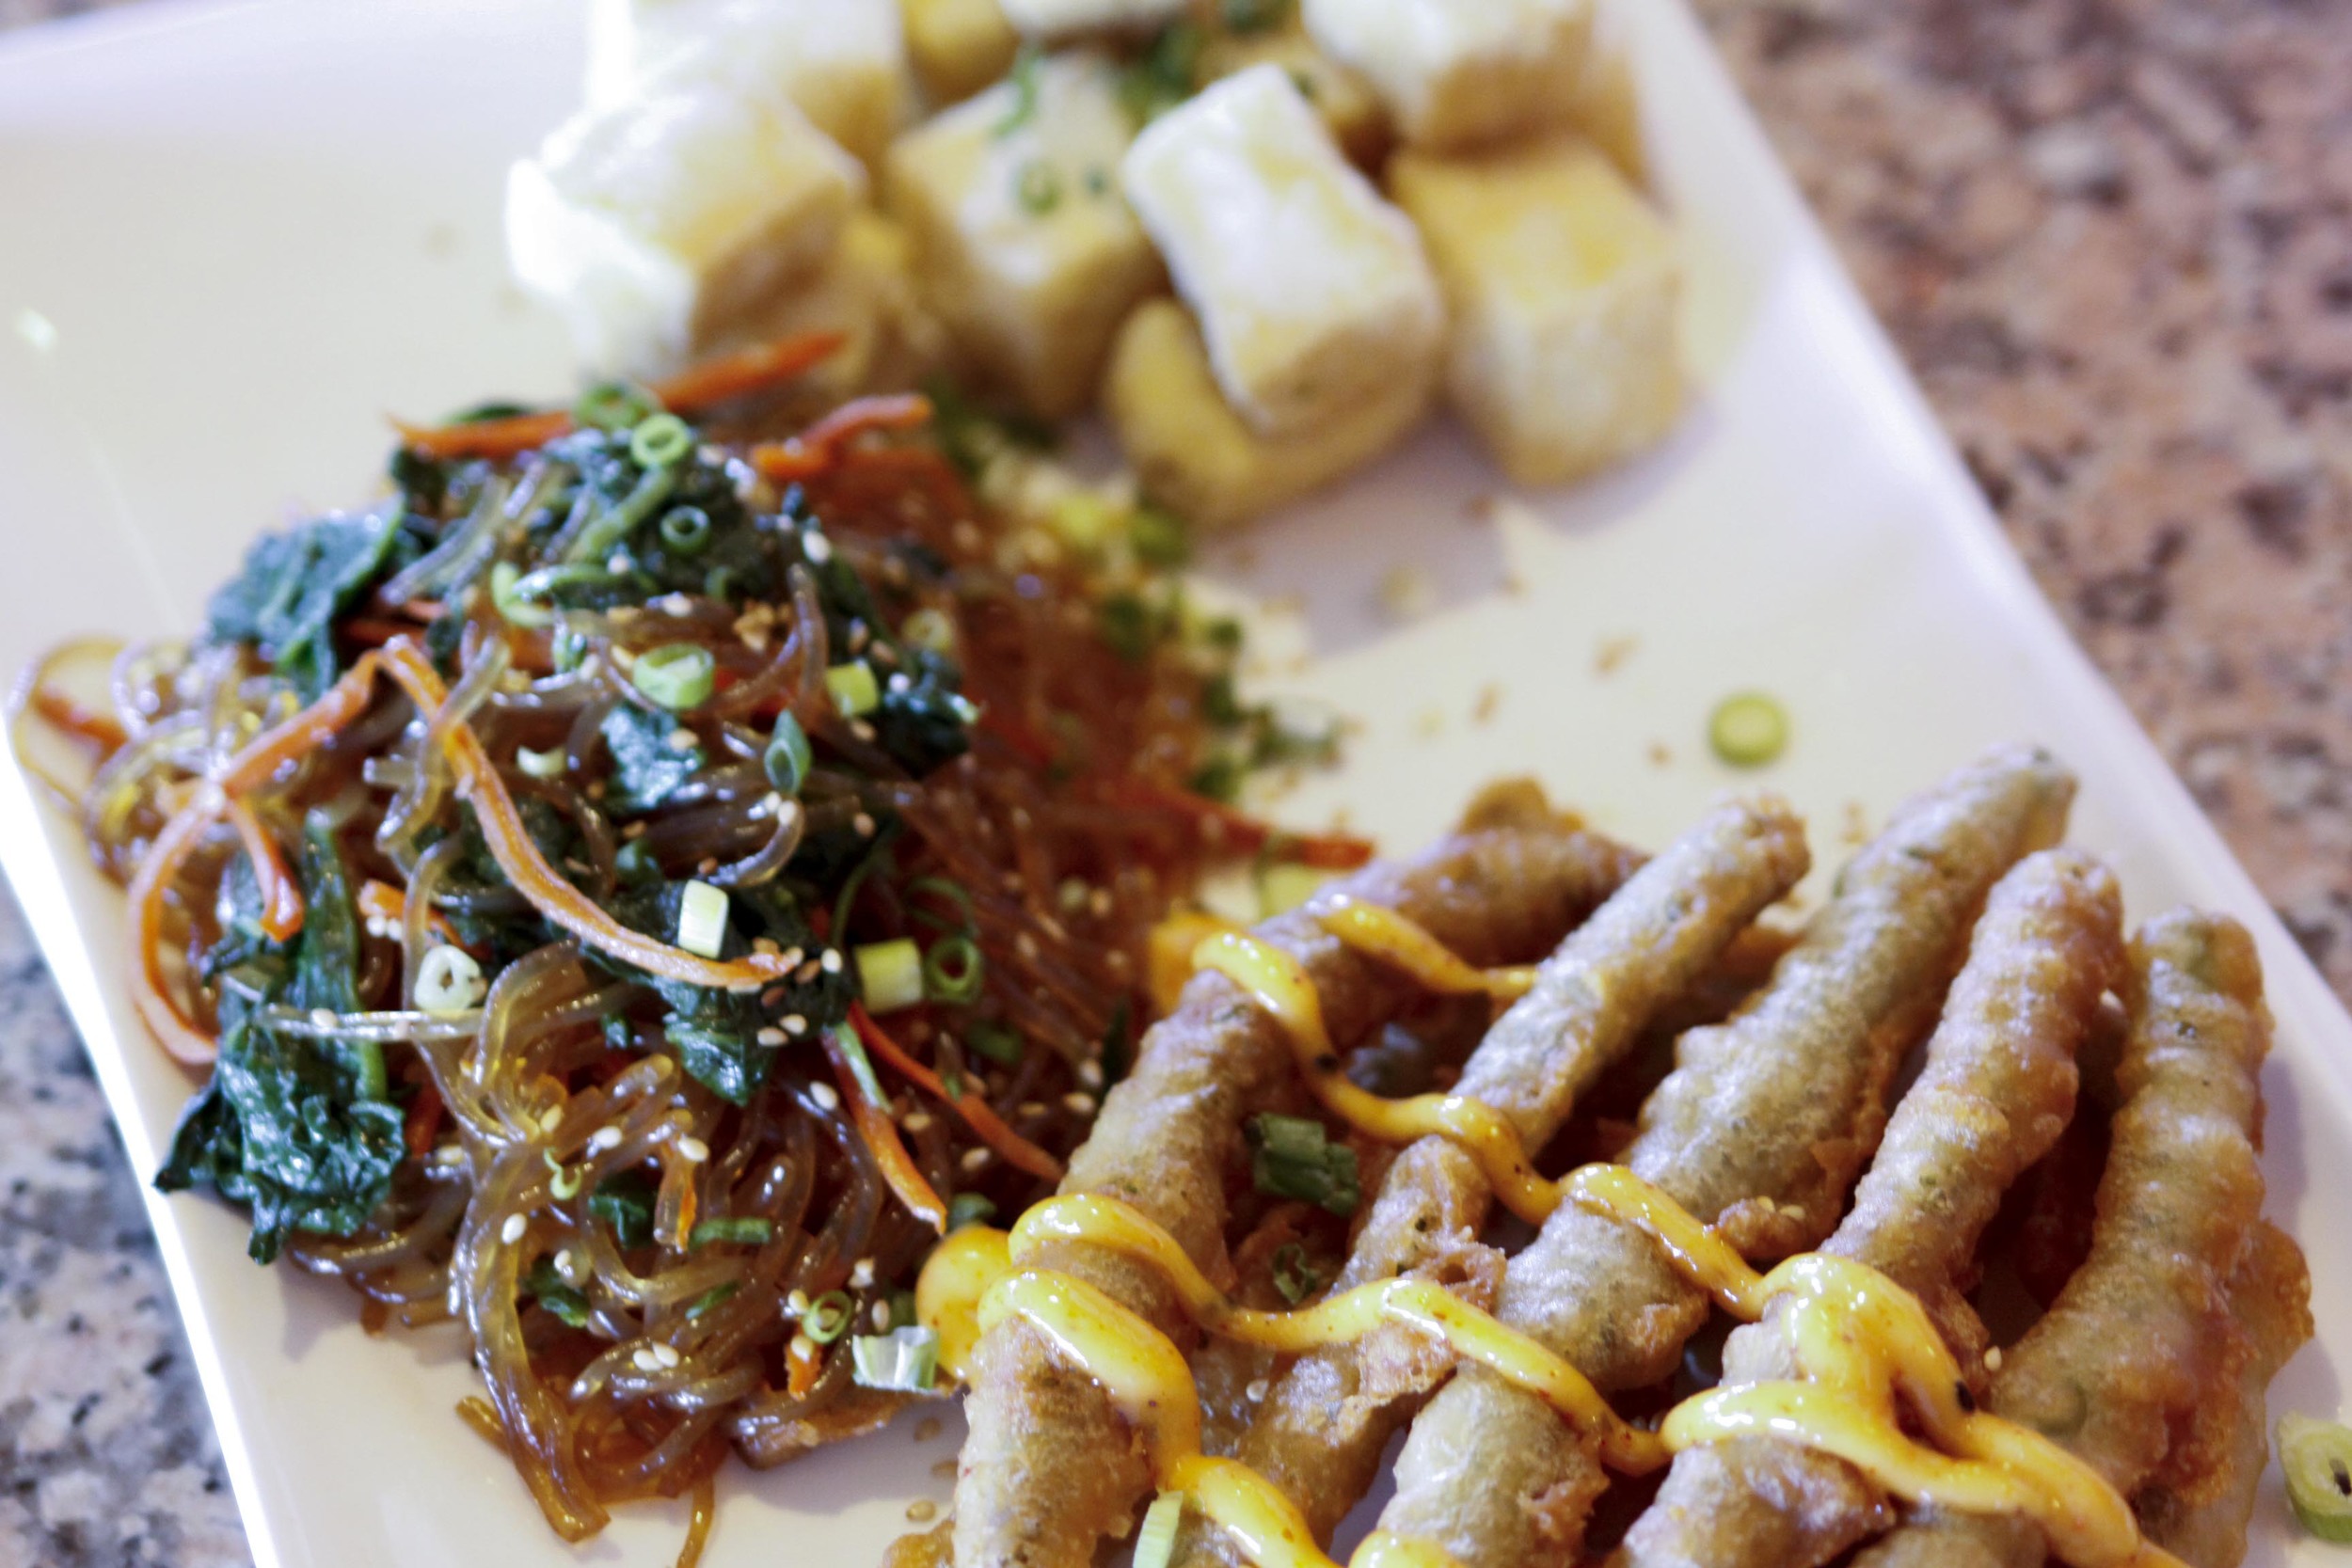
column 1867, row 1352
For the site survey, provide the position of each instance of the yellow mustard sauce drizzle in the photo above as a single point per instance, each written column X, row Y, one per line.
column 1866, row 1348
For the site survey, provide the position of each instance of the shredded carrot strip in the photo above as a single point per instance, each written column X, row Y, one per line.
column 1323, row 852
column 173, row 1030
column 281, row 894
column 382, row 901
column 747, row 370
column 303, row 733
column 705, row 385
column 519, row 859
column 882, row 1136
column 976, row 1112
column 817, row 448
column 102, row 730
column 802, row 1364
column 425, row 1120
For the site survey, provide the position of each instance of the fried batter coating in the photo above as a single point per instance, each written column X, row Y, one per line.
column 2140, row 1339
column 2200, row 1514
column 1760, row 1128
column 1050, row 1467
column 1996, row 1090
column 1320, row 1433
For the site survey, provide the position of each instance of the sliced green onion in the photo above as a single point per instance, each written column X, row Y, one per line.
column 541, row 765
column 711, row 1298
column 903, row 1361
column 853, row 689
column 933, row 630
column 449, row 982
column 1023, row 78
column 969, row 1209
column 1295, row 1277
column 1038, row 187
column 860, row 1064
column 789, row 759
column 952, row 972
column 677, row 675
column 1160, row 538
column 1155, row 1543
column 662, row 441
column 1748, row 729
column 685, row 530
column 505, row 578
column 612, row 405
column 1284, row 885
column 702, row 919
column 562, row 1183
column 2316, row 1459
column 890, row 974
column 750, row 1231
column 1295, row 1158
column 995, row 1041
column 827, row 1317
column 954, row 893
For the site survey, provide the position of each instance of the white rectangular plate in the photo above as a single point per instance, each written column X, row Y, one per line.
column 237, row 236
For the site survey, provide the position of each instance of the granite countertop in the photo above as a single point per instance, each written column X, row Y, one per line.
column 2113, row 237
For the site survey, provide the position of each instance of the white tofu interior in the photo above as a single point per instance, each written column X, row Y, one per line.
column 652, row 226
column 1053, row 18
column 1564, row 287
column 1312, row 292
column 1195, row 454
column 1457, row 74
column 1023, row 245
column 844, row 62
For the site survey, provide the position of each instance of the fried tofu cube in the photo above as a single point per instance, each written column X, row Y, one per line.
column 654, row 226
column 1055, row 18
column 1564, row 287
column 1459, row 73
column 1196, row 455
column 889, row 341
column 1313, row 293
column 1023, row 245
column 1344, row 100
column 958, row 46
column 843, row 62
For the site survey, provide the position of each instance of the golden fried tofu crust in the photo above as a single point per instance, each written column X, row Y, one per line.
column 1996, row 1089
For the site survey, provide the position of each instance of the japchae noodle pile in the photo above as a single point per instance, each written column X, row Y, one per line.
column 639, row 888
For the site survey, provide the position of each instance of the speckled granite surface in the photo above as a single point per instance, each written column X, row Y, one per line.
column 2114, row 237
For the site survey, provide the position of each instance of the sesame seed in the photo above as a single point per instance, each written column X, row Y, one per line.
column 882, row 1315
column 795, row 1025
column 865, row 732
column 550, row 1118
column 793, row 956
column 862, row 1274
column 803, row 1348
column 322, row 1018
column 1090, row 1074
column 815, row 547
column 831, row 962
column 1030, row 1109
column 922, row 1511
column 796, row 1304
column 1993, row 1358
column 617, row 563
column 644, row 1359
column 604, row 1138
column 1100, row 902
column 567, row 1263
column 1026, row 946
column 693, row 1151
column 769, row 1036
column 863, row 824
column 899, row 683
column 823, row 1093
column 917, row 1121
column 511, row 1231
column 1257, row 1391
column 683, row 740
column 1081, row 1103
column 666, row 1356
column 678, row 604
column 974, row 1158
